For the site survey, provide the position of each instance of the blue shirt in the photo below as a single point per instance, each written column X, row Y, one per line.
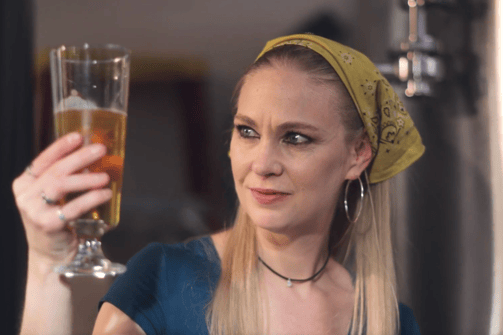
column 166, row 289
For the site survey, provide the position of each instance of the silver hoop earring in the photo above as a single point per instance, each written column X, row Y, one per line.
column 362, row 194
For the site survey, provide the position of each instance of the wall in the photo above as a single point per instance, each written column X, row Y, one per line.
column 227, row 33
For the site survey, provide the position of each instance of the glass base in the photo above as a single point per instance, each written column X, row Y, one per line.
column 90, row 261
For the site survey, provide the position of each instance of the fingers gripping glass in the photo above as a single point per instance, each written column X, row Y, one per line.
column 90, row 86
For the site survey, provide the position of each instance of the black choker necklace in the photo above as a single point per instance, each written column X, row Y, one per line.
column 290, row 280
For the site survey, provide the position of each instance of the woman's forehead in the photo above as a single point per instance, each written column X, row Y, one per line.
column 285, row 93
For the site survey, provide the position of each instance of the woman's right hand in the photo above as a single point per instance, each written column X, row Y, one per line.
column 55, row 173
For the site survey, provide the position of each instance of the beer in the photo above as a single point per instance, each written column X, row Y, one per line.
column 99, row 126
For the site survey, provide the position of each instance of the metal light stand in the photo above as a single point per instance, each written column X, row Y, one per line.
column 419, row 59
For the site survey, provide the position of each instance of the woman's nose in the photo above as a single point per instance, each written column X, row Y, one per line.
column 266, row 160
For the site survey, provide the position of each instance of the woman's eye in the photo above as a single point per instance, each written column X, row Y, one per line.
column 246, row 132
column 296, row 138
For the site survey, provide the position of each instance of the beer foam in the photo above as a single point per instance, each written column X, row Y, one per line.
column 112, row 110
column 74, row 101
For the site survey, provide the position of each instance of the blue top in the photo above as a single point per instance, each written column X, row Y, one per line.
column 166, row 289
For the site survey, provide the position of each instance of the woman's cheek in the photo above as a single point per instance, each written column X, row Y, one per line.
column 238, row 165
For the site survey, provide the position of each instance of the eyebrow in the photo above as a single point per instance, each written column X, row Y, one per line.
column 282, row 127
column 245, row 119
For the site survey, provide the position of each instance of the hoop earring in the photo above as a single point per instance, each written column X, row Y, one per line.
column 362, row 194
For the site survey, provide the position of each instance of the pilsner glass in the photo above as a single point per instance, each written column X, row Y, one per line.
column 90, row 86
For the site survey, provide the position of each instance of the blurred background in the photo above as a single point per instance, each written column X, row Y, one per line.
column 442, row 56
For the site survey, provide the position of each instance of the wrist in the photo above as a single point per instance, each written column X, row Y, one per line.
column 41, row 268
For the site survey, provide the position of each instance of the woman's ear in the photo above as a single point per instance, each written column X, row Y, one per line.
column 361, row 156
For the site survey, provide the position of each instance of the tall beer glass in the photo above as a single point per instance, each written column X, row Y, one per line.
column 90, row 86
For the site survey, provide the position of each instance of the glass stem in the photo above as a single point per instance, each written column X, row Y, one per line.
column 89, row 251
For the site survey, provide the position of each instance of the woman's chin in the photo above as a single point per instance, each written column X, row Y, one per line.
column 273, row 223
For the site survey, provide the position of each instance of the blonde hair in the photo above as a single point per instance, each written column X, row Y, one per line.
column 235, row 308
column 363, row 247
column 376, row 305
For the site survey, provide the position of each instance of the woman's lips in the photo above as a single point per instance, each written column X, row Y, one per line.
column 268, row 196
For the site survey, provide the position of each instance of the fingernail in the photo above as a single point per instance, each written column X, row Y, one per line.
column 97, row 149
column 72, row 138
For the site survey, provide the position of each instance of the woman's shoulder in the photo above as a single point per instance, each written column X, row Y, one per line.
column 408, row 324
column 163, row 268
column 171, row 265
column 197, row 251
column 166, row 283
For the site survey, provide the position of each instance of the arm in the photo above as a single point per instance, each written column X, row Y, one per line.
column 48, row 300
column 47, row 306
column 112, row 320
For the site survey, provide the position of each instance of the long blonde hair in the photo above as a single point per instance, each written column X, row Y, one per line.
column 363, row 247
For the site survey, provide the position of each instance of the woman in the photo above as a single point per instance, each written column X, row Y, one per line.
column 307, row 254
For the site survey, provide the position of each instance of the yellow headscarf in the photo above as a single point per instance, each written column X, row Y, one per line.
column 396, row 143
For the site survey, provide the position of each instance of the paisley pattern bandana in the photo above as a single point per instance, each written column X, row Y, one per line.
column 396, row 143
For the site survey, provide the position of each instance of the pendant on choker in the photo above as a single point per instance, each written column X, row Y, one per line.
column 290, row 280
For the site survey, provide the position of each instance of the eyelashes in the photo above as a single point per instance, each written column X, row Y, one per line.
column 290, row 137
column 246, row 132
column 296, row 138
